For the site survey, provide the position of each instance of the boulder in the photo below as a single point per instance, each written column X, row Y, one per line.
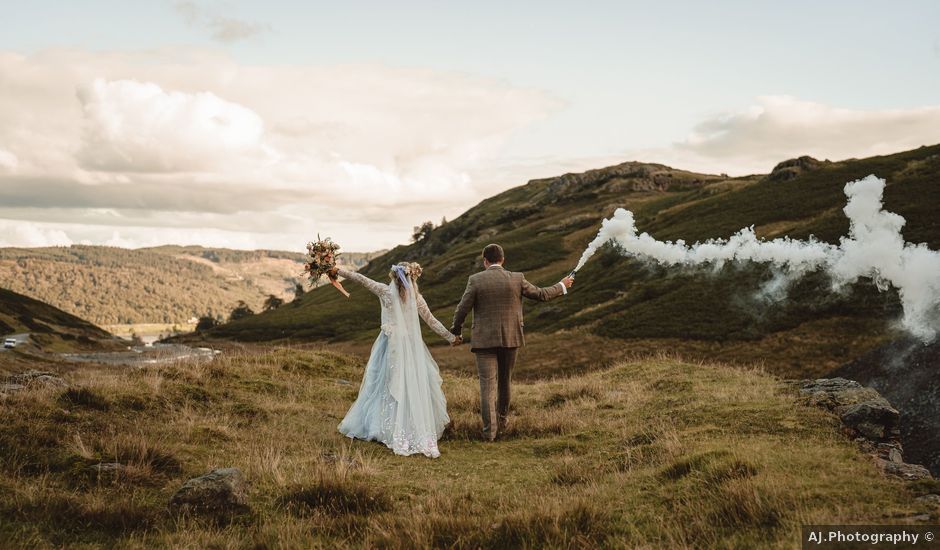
column 931, row 499
column 10, row 388
column 894, row 455
column 875, row 420
column 40, row 378
column 220, row 492
column 107, row 468
column 862, row 410
column 833, row 393
column 106, row 471
column 908, row 472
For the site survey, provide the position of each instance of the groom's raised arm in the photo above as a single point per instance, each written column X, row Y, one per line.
column 543, row 294
column 463, row 308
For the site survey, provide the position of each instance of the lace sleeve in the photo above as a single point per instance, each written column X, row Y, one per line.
column 425, row 312
column 374, row 287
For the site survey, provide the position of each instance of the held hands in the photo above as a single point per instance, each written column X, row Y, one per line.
column 458, row 340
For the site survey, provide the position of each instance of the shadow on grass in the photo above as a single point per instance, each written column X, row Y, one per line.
column 84, row 397
column 336, row 496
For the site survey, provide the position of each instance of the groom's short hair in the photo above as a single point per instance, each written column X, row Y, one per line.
column 493, row 253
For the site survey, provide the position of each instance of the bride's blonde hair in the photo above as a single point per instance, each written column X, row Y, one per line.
column 411, row 272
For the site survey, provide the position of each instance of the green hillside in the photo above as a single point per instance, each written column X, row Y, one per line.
column 49, row 327
column 545, row 224
column 167, row 284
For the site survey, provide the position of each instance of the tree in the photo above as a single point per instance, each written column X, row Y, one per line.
column 298, row 291
column 273, row 302
column 240, row 312
column 422, row 231
column 206, row 322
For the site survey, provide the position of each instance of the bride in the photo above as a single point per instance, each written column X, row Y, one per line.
column 400, row 400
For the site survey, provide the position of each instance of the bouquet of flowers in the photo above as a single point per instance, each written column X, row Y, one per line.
column 321, row 260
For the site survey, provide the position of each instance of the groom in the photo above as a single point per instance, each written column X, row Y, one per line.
column 495, row 297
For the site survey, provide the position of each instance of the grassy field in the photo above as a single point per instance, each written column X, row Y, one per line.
column 702, row 314
column 652, row 453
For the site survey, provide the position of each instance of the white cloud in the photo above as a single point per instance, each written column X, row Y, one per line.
column 298, row 147
column 8, row 160
column 138, row 127
column 754, row 139
column 190, row 146
column 27, row 234
column 781, row 127
column 251, row 234
column 222, row 28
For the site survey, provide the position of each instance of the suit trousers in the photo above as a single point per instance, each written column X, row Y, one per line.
column 494, row 366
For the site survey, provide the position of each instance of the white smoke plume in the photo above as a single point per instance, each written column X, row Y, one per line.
column 874, row 249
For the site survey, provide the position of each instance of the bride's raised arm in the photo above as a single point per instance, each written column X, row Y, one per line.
column 375, row 287
column 425, row 313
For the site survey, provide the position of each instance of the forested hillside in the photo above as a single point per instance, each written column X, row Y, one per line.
column 167, row 284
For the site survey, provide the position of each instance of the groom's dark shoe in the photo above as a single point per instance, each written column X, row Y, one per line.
column 502, row 427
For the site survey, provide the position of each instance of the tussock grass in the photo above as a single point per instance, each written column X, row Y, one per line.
column 140, row 451
column 84, row 397
column 574, row 390
column 336, row 496
column 651, row 453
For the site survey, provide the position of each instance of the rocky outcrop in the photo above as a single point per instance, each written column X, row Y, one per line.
column 220, row 492
column 30, row 378
column 905, row 372
column 910, row 472
column 790, row 169
column 41, row 378
column 624, row 177
column 868, row 418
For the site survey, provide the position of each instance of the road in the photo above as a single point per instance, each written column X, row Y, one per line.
column 155, row 354
column 144, row 355
column 21, row 339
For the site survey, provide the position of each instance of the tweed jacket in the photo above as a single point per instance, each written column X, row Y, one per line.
column 495, row 297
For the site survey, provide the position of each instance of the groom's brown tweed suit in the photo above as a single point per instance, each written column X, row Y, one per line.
column 495, row 297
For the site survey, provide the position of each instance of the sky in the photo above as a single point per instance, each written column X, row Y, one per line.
column 262, row 124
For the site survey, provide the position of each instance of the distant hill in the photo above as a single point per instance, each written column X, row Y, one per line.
column 49, row 327
column 545, row 225
column 167, row 284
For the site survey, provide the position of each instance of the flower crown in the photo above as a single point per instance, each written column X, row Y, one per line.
column 412, row 270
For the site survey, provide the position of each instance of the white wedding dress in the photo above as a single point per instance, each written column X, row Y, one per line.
column 400, row 401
